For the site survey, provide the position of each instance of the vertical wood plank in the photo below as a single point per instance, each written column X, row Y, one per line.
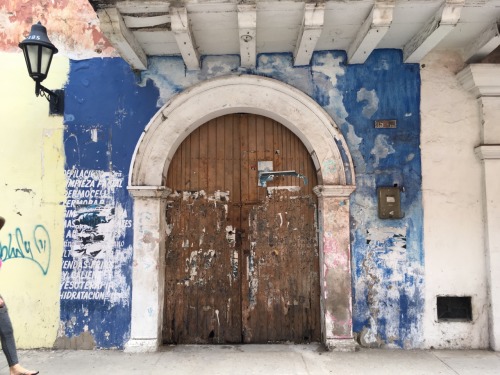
column 228, row 169
column 203, row 165
column 219, row 151
column 252, row 158
column 212, row 156
column 195, row 160
column 245, row 159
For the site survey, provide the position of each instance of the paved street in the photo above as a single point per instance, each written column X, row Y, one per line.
column 261, row 359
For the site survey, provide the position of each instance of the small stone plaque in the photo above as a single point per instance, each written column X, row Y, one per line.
column 385, row 124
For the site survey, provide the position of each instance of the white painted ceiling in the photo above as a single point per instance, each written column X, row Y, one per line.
column 145, row 27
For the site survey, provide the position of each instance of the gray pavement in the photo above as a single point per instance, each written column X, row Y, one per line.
column 260, row 359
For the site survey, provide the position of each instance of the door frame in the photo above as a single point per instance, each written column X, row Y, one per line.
column 336, row 181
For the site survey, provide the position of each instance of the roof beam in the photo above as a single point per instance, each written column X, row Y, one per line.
column 247, row 26
column 310, row 31
column 184, row 37
column 483, row 44
column 138, row 6
column 371, row 32
column 433, row 32
column 135, row 22
column 113, row 26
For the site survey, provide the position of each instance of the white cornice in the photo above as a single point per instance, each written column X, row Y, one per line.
column 160, row 192
column 334, row 191
column 481, row 79
column 488, row 152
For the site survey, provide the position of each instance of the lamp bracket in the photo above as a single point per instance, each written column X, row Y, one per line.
column 55, row 98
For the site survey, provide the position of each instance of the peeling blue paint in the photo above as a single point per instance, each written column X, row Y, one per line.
column 106, row 111
column 108, row 107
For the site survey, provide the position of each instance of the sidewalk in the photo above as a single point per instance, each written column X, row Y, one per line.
column 262, row 360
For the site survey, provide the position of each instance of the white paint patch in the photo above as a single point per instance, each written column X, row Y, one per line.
column 382, row 65
column 202, row 237
column 387, row 252
column 370, row 96
column 281, row 219
column 332, row 68
column 187, row 195
column 382, row 234
column 170, row 77
column 381, row 149
column 231, row 235
column 354, row 141
column 272, row 189
column 93, row 134
column 192, row 265
column 219, row 196
column 410, row 157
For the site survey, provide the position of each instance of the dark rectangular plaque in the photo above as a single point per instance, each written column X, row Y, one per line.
column 385, row 124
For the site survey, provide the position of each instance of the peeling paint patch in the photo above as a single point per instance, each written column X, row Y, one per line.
column 84, row 341
column 381, row 149
column 73, row 26
column 273, row 189
column 371, row 98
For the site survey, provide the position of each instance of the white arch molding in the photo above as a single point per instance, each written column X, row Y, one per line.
column 154, row 151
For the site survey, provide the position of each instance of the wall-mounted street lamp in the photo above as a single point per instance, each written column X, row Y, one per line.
column 38, row 52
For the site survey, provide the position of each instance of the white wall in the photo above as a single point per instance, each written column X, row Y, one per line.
column 452, row 199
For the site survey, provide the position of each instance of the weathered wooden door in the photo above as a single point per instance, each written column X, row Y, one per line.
column 242, row 259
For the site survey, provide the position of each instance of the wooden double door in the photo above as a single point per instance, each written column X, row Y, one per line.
column 241, row 259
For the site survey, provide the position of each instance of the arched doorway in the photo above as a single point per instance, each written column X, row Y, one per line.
column 242, row 259
column 147, row 184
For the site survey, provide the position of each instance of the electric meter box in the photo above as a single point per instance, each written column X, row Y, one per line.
column 389, row 203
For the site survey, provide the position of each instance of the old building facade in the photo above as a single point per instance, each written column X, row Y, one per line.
column 253, row 172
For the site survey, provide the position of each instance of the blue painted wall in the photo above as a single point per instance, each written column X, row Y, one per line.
column 107, row 109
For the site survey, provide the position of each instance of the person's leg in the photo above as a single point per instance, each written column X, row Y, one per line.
column 7, row 337
column 9, row 344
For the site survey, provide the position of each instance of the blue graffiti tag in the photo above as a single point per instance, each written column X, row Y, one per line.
column 18, row 248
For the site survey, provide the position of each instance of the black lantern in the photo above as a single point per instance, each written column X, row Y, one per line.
column 38, row 52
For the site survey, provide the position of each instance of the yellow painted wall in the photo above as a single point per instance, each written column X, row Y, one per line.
column 32, row 195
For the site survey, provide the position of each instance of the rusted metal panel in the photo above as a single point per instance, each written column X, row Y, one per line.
column 242, row 260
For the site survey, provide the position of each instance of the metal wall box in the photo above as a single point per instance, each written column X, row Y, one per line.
column 454, row 309
column 389, row 203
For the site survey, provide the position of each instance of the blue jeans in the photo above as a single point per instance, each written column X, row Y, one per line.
column 7, row 337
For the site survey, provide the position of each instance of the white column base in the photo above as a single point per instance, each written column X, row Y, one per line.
column 141, row 346
column 341, row 345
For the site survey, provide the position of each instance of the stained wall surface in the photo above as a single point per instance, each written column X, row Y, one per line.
column 32, row 196
column 107, row 109
column 452, row 193
column 67, row 245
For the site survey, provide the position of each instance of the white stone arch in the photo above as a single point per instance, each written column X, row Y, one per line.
column 154, row 151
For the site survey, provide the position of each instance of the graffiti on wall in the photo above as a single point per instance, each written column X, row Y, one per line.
column 33, row 246
column 95, row 226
